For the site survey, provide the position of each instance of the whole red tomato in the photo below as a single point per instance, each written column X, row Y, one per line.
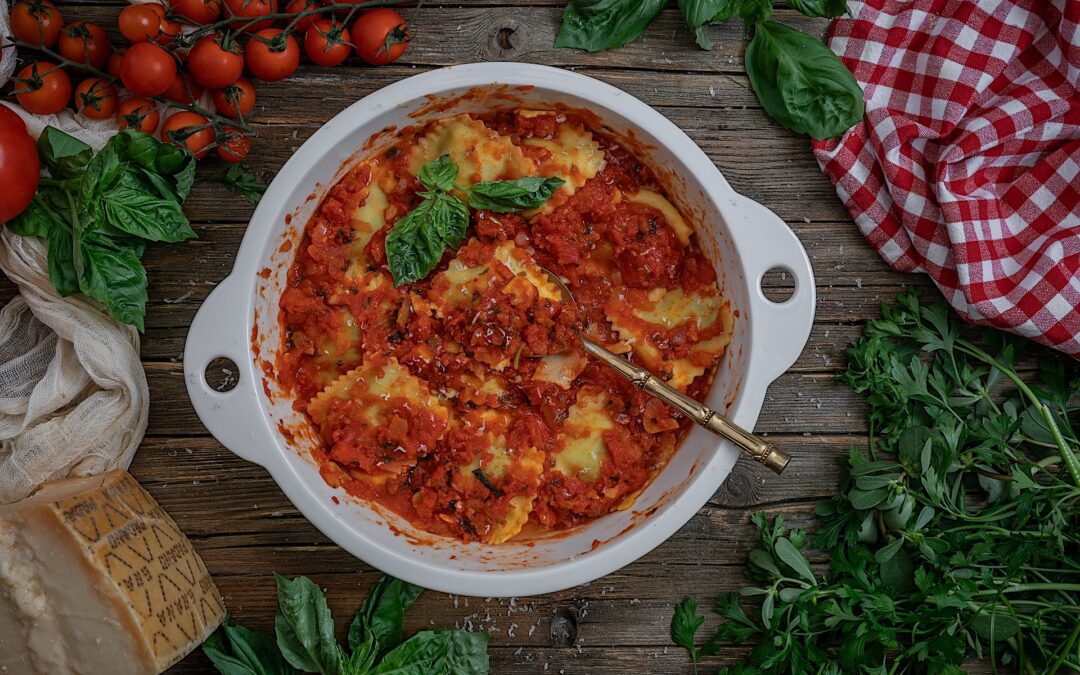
column 184, row 89
column 197, row 11
column 167, row 30
column 235, row 146
column 42, row 88
column 138, row 113
column 326, row 42
column 250, row 9
column 237, row 100
column 19, row 165
column 271, row 55
column 85, row 42
column 297, row 6
column 380, row 36
column 96, row 99
column 139, row 23
column 147, row 70
column 114, row 61
column 37, row 22
column 191, row 130
column 214, row 63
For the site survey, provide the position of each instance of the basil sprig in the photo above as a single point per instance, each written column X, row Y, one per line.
column 415, row 245
column 98, row 211
column 800, row 82
column 304, row 638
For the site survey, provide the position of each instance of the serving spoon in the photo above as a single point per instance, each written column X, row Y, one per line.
column 757, row 448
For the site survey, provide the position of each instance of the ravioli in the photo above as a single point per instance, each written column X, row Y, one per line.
column 583, row 450
column 462, row 282
column 367, row 219
column 497, row 464
column 560, row 369
column 638, row 320
column 657, row 201
column 480, row 153
column 575, row 156
column 378, row 416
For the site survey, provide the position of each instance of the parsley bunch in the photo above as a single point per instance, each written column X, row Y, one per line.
column 956, row 536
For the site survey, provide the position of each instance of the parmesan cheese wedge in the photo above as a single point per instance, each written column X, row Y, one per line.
column 96, row 578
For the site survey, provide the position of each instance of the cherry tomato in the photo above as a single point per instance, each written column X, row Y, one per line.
column 96, row 99
column 235, row 146
column 43, row 88
column 184, row 89
column 236, row 100
column 197, row 11
column 191, row 130
column 85, row 42
column 380, row 36
column 138, row 23
column 270, row 57
column 138, row 113
column 326, row 42
column 114, row 62
column 167, row 30
column 19, row 165
column 216, row 64
column 297, row 6
column 250, row 9
column 147, row 70
column 37, row 22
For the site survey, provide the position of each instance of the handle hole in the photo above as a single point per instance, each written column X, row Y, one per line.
column 222, row 374
column 778, row 285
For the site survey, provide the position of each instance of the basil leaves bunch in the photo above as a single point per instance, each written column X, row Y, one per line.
column 98, row 211
column 417, row 241
column 800, row 82
column 304, row 642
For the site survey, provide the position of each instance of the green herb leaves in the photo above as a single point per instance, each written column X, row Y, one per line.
column 503, row 196
column 415, row 245
column 596, row 25
column 305, row 640
column 956, row 537
column 800, row 82
column 98, row 211
column 684, row 628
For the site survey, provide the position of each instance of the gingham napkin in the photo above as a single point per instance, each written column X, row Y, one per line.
column 967, row 164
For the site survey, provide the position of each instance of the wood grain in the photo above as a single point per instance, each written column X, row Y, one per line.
column 246, row 529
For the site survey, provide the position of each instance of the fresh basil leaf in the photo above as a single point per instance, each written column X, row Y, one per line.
column 235, row 650
column 113, row 276
column 102, row 172
column 596, row 25
column 700, row 13
column 62, row 154
column 142, row 214
column 238, row 178
column 449, row 217
column 414, row 246
column 824, row 8
column 36, row 220
column 184, row 178
column 438, row 174
column 438, row 652
column 801, row 83
column 382, row 616
column 305, row 628
column 61, row 252
column 503, row 196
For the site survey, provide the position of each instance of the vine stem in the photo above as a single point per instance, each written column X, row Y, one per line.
column 245, row 22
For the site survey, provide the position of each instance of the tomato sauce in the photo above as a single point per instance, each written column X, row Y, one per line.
column 441, row 405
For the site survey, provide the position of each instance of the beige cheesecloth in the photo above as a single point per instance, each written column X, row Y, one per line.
column 73, row 395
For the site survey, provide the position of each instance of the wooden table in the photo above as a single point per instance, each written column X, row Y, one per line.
column 245, row 528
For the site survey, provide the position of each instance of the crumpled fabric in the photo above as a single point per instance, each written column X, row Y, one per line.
column 966, row 165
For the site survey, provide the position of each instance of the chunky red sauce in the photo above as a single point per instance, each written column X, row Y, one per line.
column 464, row 402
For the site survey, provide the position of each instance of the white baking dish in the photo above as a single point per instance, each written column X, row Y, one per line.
column 240, row 321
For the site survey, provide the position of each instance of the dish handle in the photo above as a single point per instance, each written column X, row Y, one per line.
column 781, row 329
column 234, row 416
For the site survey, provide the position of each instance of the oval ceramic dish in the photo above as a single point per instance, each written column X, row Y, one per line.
column 256, row 420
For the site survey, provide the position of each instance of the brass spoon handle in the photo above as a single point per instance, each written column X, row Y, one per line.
column 756, row 447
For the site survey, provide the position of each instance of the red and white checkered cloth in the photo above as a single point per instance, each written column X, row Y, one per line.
column 967, row 164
